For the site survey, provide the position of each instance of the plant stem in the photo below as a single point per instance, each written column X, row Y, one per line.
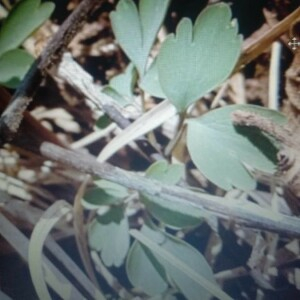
column 180, row 130
column 80, row 232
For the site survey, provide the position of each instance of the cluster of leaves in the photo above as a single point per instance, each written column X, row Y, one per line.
column 24, row 19
column 146, row 268
column 189, row 64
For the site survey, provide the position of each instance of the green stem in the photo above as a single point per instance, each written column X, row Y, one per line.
column 180, row 130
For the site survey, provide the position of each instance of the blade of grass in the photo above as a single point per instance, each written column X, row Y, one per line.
column 80, row 232
column 3, row 296
column 149, row 121
column 73, row 269
column 20, row 243
column 52, row 215
column 48, row 220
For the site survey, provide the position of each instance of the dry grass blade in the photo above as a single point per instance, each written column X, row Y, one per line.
column 4, row 296
column 21, row 244
column 37, row 240
column 149, row 121
column 51, row 216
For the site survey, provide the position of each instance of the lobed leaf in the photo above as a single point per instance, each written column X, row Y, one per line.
column 14, row 64
column 25, row 17
column 136, row 29
column 162, row 171
column 152, row 282
column 222, row 151
column 109, row 234
column 150, row 82
column 197, row 59
column 175, row 215
column 184, row 252
column 121, row 87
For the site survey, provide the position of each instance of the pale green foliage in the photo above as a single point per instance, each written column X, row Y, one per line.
column 221, row 151
column 13, row 66
column 163, row 172
column 121, row 87
column 189, row 64
column 105, row 193
column 162, row 270
column 150, row 82
column 25, row 17
column 175, row 215
column 136, row 29
column 198, row 58
column 109, row 235
column 124, row 83
column 144, row 271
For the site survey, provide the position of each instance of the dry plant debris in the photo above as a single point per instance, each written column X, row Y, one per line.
column 70, row 121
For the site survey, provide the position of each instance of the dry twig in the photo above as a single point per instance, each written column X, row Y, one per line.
column 13, row 115
column 245, row 214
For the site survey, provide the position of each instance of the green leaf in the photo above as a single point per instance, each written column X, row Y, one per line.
column 221, row 151
column 175, row 215
column 150, row 82
column 195, row 260
column 184, row 265
column 25, row 17
column 109, row 234
column 136, row 29
column 124, row 83
column 144, row 271
column 14, row 65
column 121, row 86
column 106, row 193
column 198, row 59
column 162, row 171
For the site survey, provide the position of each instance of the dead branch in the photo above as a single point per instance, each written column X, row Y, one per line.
column 70, row 71
column 282, row 133
column 13, row 114
column 247, row 214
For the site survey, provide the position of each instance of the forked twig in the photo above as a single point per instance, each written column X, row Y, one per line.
column 13, row 114
column 80, row 232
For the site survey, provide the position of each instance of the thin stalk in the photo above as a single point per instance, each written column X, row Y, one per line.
column 180, row 130
column 80, row 232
